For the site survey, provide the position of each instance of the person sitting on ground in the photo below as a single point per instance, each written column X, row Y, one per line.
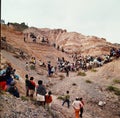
column 48, row 100
column 3, row 83
column 67, row 99
column 15, row 76
column 12, row 89
column 8, row 76
column 27, row 66
column 40, row 93
column 42, row 63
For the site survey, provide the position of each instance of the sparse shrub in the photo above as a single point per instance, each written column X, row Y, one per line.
column 93, row 70
column 81, row 74
column 32, row 67
column 61, row 77
column 88, row 81
column 1, row 91
column 116, row 81
column 60, row 97
column 114, row 89
column 24, row 98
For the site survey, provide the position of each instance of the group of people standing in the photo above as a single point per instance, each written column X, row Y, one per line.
column 43, row 98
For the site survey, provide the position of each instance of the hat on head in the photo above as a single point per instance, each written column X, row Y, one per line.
column 77, row 98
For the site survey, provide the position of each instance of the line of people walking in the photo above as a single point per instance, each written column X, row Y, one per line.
column 43, row 97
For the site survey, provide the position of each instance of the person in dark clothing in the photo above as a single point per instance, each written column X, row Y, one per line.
column 40, row 93
column 66, row 70
column 81, row 107
column 13, row 90
column 8, row 74
column 49, row 68
column 27, row 82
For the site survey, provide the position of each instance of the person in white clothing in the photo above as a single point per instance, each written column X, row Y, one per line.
column 76, row 106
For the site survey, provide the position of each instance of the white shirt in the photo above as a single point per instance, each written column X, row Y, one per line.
column 76, row 104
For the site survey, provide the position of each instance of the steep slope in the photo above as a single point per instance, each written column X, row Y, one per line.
column 73, row 41
column 92, row 92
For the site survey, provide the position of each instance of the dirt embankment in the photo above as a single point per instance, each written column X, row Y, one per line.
column 91, row 87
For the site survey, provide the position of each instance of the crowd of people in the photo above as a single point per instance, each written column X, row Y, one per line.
column 8, row 79
column 86, row 62
column 35, row 39
column 43, row 98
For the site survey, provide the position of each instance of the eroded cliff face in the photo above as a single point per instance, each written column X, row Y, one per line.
column 74, row 42
column 70, row 42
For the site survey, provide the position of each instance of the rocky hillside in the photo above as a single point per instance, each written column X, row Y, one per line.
column 73, row 41
column 98, row 84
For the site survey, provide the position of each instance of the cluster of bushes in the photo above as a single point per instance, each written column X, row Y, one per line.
column 19, row 27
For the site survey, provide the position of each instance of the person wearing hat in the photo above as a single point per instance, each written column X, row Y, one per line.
column 76, row 106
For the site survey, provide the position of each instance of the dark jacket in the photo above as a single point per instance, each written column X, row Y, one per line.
column 41, row 90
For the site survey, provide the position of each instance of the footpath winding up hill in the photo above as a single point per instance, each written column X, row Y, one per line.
column 92, row 87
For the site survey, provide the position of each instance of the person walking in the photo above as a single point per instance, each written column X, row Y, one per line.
column 67, row 99
column 81, row 107
column 76, row 106
column 48, row 100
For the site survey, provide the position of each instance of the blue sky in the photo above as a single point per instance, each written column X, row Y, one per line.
column 90, row 17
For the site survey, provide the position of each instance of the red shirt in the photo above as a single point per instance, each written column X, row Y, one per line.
column 48, row 99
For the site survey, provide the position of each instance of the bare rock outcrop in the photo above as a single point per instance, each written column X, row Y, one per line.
column 74, row 42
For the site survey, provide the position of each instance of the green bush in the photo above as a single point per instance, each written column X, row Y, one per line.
column 19, row 27
column 60, row 97
column 114, row 89
column 24, row 98
column 93, row 70
column 61, row 77
column 88, row 81
column 81, row 74
column 32, row 67
column 116, row 81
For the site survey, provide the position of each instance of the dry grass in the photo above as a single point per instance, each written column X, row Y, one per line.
column 116, row 81
column 88, row 81
column 81, row 74
column 114, row 89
